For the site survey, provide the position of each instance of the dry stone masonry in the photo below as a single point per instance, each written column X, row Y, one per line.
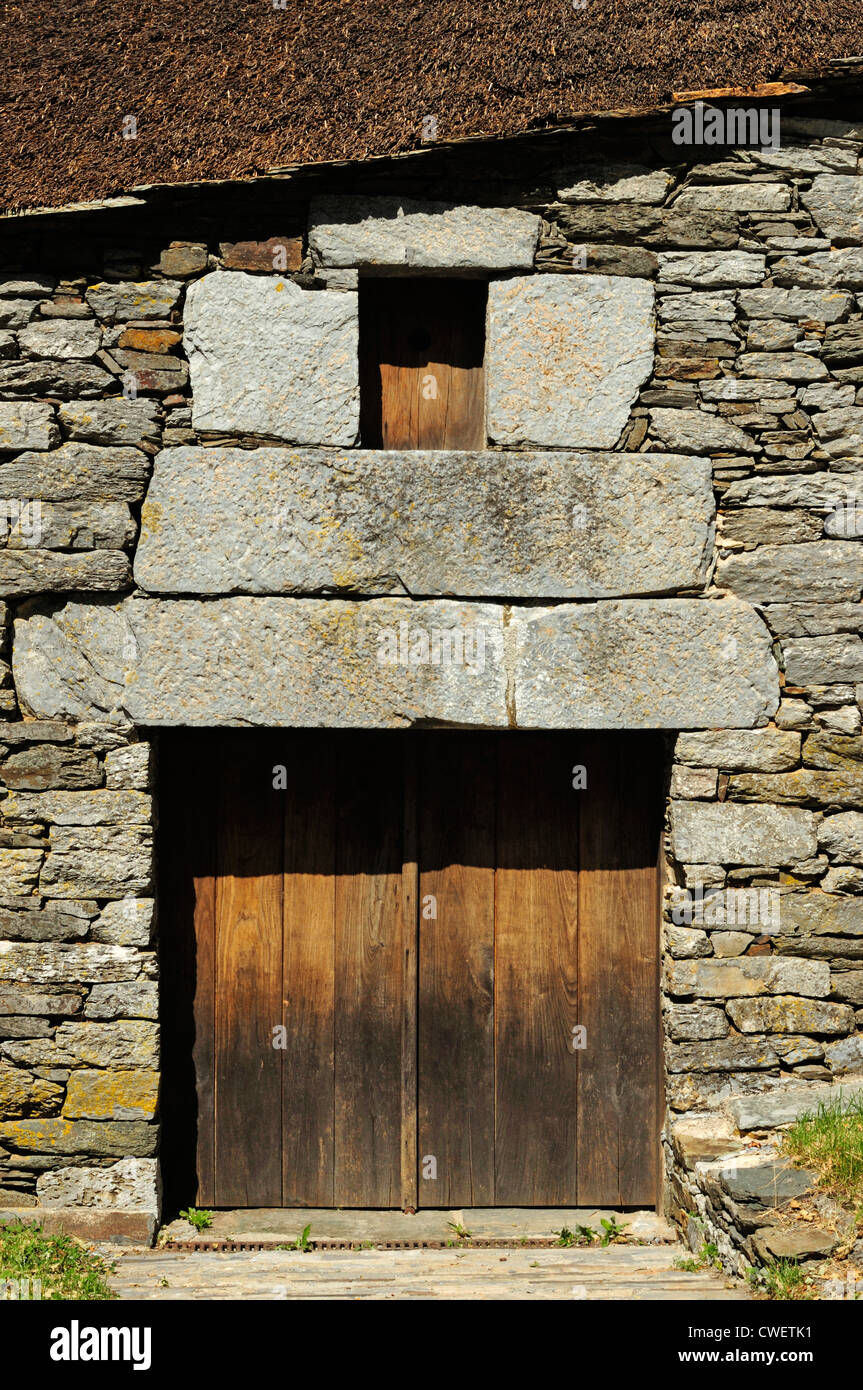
column 664, row 532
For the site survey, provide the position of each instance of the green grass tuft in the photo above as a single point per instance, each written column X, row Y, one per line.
column 830, row 1141
column 63, row 1265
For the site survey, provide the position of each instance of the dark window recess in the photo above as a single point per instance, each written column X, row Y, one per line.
column 422, row 383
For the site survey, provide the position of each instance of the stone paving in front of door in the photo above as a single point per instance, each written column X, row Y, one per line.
column 636, row 1272
column 626, row 1270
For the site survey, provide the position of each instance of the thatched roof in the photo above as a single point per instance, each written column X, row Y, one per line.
column 230, row 88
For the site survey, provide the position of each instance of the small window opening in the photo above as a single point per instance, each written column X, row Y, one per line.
column 422, row 380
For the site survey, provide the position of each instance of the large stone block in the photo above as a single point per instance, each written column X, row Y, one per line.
column 553, row 525
column 403, row 234
column 268, row 358
column 739, row 977
column 681, row 663
column 566, row 356
column 112, row 1095
column 392, row 662
column 788, row 1014
column 132, row 1184
column 731, row 833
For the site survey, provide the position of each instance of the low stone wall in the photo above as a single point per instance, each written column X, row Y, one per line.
column 682, row 497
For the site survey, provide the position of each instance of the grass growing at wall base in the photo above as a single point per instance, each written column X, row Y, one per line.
column 830, row 1141
column 59, row 1267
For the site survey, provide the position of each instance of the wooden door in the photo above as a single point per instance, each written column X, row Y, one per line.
column 423, row 924
column 422, row 382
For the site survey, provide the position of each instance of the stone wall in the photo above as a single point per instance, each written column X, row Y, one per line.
column 675, row 472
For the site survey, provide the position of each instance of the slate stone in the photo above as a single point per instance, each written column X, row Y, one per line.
column 815, row 490
column 804, row 1243
column 766, row 1184
column 752, row 526
column 270, row 359
column 696, row 431
column 533, row 525
column 84, row 962
column 696, row 306
column 19, row 870
column 795, row 305
column 739, row 976
column 404, row 233
column 89, row 526
column 32, row 571
column 823, row 660
column 78, row 473
column 598, row 666
column 129, row 1043
column 116, row 421
column 63, row 379
column 728, row 833
column 148, row 299
column 566, row 357
column 732, row 750
column 836, row 204
column 25, row 425
column 842, row 269
column 734, row 197
column 126, row 922
column 104, row 862
column 180, row 260
column 327, row 662
column 22, row 1093
column 841, row 431
column 127, row 1000
column 52, row 923
column 60, row 338
column 770, row 1111
column 613, row 183
column 126, row 1138
column 772, row 573
column 129, row 769
column 726, row 1054
column 41, row 767
column 826, row 749
column 16, row 313
column 711, row 269
column 647, row 226
column 820, row 913
column 785, row 366
column 841, row 837
column 806, row 786
column 787, row 1014
column 695, row 1022
column 278, row 253
column 121, row 808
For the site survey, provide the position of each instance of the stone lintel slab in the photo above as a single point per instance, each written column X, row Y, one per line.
column 393, row 663
column 403, row 234
column 524, row 525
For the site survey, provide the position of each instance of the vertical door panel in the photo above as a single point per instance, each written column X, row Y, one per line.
column 248, row 981
column 308, row 1157
column 536, row 973
column 619, row 1071
column 368, row 973
column 457, row 796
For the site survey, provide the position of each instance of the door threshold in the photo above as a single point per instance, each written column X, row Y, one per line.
column 478, row 1227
